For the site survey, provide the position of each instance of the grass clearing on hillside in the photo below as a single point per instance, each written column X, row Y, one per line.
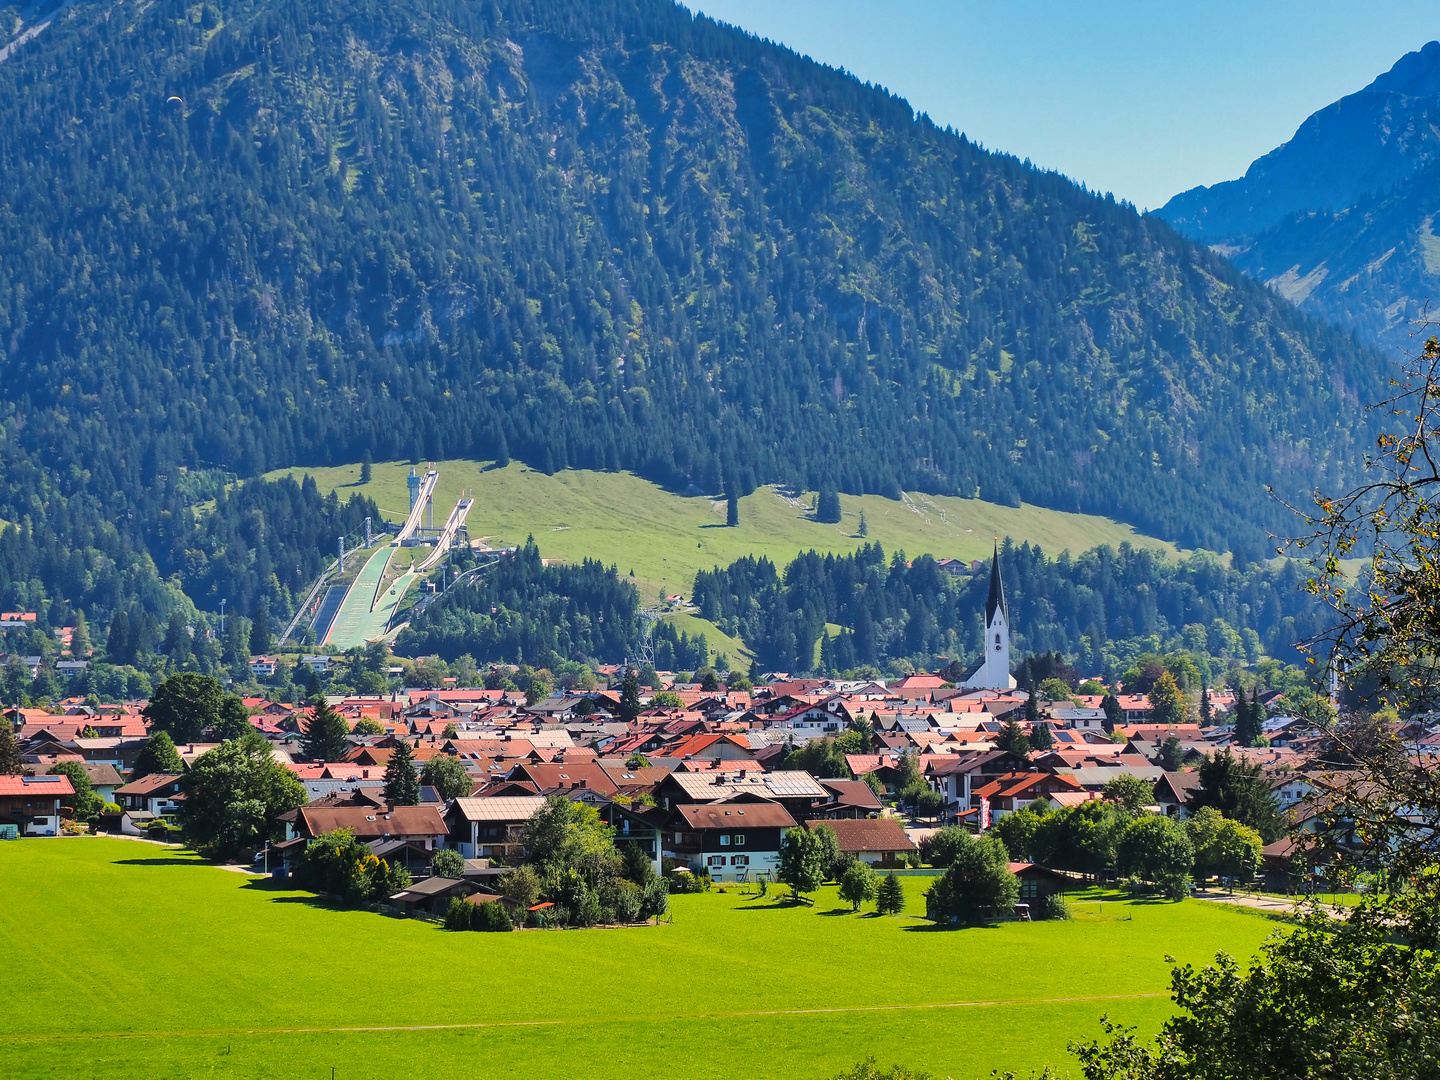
column 128, row 960
column 716, row 639
column 665, row 538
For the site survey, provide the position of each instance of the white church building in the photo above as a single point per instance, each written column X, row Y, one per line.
column 994, row 670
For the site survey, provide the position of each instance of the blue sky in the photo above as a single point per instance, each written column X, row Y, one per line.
column 1142, row 99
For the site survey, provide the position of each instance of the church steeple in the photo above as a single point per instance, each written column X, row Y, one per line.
column 994, row 670
column 996, row 600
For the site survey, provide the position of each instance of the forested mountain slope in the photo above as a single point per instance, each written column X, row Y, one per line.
column 1340, row 218
column 243, row 235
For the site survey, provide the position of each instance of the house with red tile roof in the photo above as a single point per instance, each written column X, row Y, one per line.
column 32, row 803
column 1015, row 791
column 711, row 747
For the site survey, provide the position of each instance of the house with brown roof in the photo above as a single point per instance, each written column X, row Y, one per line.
column 491, row 828
column 420, row 825
column 732, row 841
column 712, row 747
column 1173, row 791
column 877, row 841
column 158, row 794
column 848, row 799
column 433, row 894
column 32, row 803
column 1038, row 883
column 548, row 778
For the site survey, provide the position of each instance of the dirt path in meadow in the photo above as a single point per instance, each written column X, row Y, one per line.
column 596, row 1020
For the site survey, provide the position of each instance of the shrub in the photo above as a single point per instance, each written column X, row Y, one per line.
column 521, row 885
column 448, row 863
column 683, row 881
column 629, row 901
column 458, row 915
column 338, row 864
column 1055, row 907
column 491, row 917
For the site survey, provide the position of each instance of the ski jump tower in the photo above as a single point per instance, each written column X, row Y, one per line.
column 416, row 483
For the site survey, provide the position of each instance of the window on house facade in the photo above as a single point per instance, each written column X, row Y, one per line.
column 724, row 839
column 716, row 860
column 739, row 860
column 738, row 840
column 1029, row 890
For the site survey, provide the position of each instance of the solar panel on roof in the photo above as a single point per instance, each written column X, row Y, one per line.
column 42, row 779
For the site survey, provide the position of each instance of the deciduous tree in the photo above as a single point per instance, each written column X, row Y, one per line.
column 1157, row 849
column 233, row 721
column 802, row 862
column 158, row 755
column 233, row 794
column 184, row 705
column 84, row 802
column 1167, row 703
column 448, row 776
column 977, row 885
column 1131, row 793
column 857, row 884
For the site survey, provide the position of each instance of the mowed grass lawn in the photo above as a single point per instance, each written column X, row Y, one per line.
column 123, row 959
column 665, row 538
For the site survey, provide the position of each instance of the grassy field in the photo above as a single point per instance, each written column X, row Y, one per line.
column 664, row 538
column 127, row 960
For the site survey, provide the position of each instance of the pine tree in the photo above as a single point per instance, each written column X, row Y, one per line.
column 10, row 763
column 827, row 506
column 890, row 896
column 1249, row 718
column 630, row 697
column 1207, row 711
column 325, row 735
column 732, row 510
column 1012, row 739
column 1040, row 737
column 1114, row 714
column 120, row 643
column 864, row 529
column 402, row 786
column 260, row 629
column 365, row 471
column 80, row 647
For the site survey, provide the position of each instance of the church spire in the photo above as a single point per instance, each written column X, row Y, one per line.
column 996, row 600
